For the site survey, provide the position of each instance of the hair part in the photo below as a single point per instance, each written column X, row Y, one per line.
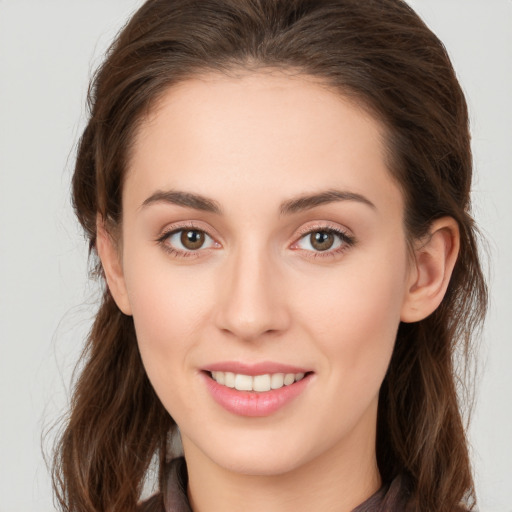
column 377, row 53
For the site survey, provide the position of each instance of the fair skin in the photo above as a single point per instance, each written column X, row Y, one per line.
column 253, row 286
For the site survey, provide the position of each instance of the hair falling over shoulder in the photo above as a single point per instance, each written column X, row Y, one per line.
column 377, row 52
column 115, row 418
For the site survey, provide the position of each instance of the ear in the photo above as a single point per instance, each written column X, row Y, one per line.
column 431, row 270
column 110, row 257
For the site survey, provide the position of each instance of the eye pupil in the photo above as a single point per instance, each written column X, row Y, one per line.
column 192, row 239
column 322, row 240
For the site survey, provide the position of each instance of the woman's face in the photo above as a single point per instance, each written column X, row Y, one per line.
column 263, row 237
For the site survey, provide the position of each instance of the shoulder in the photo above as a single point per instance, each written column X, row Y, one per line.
column 173, row 498
column 153, row 504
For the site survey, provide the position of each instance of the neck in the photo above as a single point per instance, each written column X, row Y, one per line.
column 338, row 481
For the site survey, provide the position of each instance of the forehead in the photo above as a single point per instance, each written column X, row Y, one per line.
column 256, row 131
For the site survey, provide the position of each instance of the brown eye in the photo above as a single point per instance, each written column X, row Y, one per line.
column 192, row 239
column 322, row 240
column 187, row 240
column 328, row 240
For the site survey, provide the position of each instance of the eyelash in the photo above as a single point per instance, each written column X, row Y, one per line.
column 177, row 253
column 347, row 241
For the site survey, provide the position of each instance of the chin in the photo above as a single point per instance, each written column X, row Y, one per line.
column 255, row 455
column 256, row 464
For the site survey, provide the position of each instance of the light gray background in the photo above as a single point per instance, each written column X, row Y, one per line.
column 48, row 49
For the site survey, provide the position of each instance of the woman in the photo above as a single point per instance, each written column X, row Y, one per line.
column 278, row 193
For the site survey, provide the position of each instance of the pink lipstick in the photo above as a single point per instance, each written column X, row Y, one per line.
column 256, row 389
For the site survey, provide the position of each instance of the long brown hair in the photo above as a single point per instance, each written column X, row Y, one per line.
column 380, row 54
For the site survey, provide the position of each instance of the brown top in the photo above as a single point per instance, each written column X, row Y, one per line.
column 390, row 498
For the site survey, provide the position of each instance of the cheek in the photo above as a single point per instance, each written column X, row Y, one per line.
column 166, row 326
column 168, row 308
column 356, row 318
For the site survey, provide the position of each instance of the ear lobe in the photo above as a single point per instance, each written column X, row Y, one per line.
column 112, row 267
column 434, row 260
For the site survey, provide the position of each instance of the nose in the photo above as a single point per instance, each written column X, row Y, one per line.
column 252, row 302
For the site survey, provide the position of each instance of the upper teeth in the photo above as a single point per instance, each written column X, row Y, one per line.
column 257, row 382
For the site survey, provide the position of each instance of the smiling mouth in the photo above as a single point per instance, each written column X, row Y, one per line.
column 257, row 383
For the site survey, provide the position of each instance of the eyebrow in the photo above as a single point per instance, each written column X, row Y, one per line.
column 186, row 199
column 302, row 203
column 329, row 196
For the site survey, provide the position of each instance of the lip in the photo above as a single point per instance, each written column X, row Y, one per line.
column 252, row 403
column 253, row 369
